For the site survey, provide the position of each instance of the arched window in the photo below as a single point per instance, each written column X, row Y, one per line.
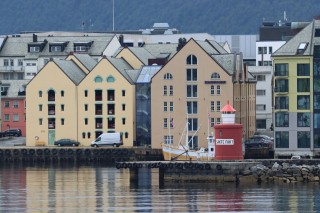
column 192, row 59
column 51, row 95
column 98, row 79
column 215, row 75
column 110, row 79
column 167, row 76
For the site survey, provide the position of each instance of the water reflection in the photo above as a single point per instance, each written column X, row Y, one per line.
column 90, row 188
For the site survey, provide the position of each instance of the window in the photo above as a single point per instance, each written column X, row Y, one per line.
column 218, row 120
column 281, row 69
column 212, row 90
column 5, row 62
column 192, row 124
column 282, row 119
column 123, row 107
column 218, row 106
column 165, row 106
column 261, row 78
column 192, row 107
column 262, row 50
column 215, row 75
column 303, row 102
column 40, row 107
column 165, row 123
column 171, row 106
column 282, row 139
column 192, row 74
column 165, row 90
column 302, row 47
column 218, row 89
column 34, row 49
column 123, row 121
column 15, row 104
column 261, row 124
column 6, row 117
column 211, row 122
column 261, row 107
column 168, row 139
column 62, row 121
column 270, row 50
column 123, row 93
column 281, row 85
column 316, row 120
column 83, row 135
column 317, row 33
column 89, row 135
column 86, row 107
column 11, row 62
column 316, row 140
column 303, row 139
column 62, row 107
column 86, row 121
column 303, row 119
column 212, row 106
column 20, row 62
column 6, row 104
column 98, row 79
column 110, row 79
column 80, row 48
column 40, row 94
column 303, row 69
column 261, row 92
column 316, row 101
column 303, row 85
column 282, row 102
column 171, row 90
column 86, row 93
column 192, row 91
column 192, row 59
column 40, row 121
column 15, row 117
column 62, row 93
column 167, row 76
column 55, row 49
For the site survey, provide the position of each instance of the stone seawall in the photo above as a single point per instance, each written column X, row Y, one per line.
column 247, row 171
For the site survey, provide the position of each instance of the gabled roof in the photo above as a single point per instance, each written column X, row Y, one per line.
column 227, row 61
column 71, row 70
column 157, row 49
column 122, row 66
column 15, row 87
column 18, row 46
column 86, row 60
column 142, row 54
column 304, row 39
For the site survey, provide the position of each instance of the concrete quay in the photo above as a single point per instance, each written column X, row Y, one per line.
column 246, row 171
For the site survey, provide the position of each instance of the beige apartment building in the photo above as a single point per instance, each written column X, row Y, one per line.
column 78, row 98
column 195, row 84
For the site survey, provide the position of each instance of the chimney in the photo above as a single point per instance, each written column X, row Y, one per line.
column 121, row 40
column 34, row 38
column 182, row 42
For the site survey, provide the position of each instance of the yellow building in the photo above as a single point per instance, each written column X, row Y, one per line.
column 196, row 83
column 78, row 98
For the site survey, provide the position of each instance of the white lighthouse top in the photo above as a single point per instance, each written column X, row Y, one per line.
column 228, row 114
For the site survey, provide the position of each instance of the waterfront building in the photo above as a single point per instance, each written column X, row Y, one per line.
column 195, row 82
column 13, row 108
column 296, row 94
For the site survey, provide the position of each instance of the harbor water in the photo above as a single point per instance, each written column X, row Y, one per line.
column 98, row 188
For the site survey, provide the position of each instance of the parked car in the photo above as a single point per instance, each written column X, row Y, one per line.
column 258, row 142
column 66, row 142
column 12, row 132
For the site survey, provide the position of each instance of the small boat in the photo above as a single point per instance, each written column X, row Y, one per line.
column 184, row 152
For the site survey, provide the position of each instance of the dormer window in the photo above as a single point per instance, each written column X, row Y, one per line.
column 55, row 49
column 82, row 46
column 302, row 47
column 57, row 46
column 35, row 47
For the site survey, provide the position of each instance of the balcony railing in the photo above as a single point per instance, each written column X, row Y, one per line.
column 283, row 73
column 51, row 126
column 99, row 112
column 12, row 69
column 99, row 125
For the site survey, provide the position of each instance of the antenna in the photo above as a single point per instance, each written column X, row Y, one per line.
column 82, row 26
column 284, row 16
column 113, row 15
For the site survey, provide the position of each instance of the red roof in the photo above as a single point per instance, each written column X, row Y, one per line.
column 228, row 108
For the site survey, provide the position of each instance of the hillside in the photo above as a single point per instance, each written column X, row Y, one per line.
column 212, row 16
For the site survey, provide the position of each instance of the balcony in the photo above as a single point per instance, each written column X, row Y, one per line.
column 110, row 112
column 99, row 126
column 98, row 112
column 51, row 126
column 12, row 69
column 51, row 112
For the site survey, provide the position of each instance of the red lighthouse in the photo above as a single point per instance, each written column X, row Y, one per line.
column 228, row 136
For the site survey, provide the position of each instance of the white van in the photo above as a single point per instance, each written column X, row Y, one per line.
column 108, row 139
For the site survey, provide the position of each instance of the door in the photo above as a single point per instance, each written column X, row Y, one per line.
column 51, row 137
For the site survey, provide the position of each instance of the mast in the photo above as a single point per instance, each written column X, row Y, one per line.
column 113, row 15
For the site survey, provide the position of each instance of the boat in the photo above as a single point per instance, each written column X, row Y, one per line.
column 184, row 152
